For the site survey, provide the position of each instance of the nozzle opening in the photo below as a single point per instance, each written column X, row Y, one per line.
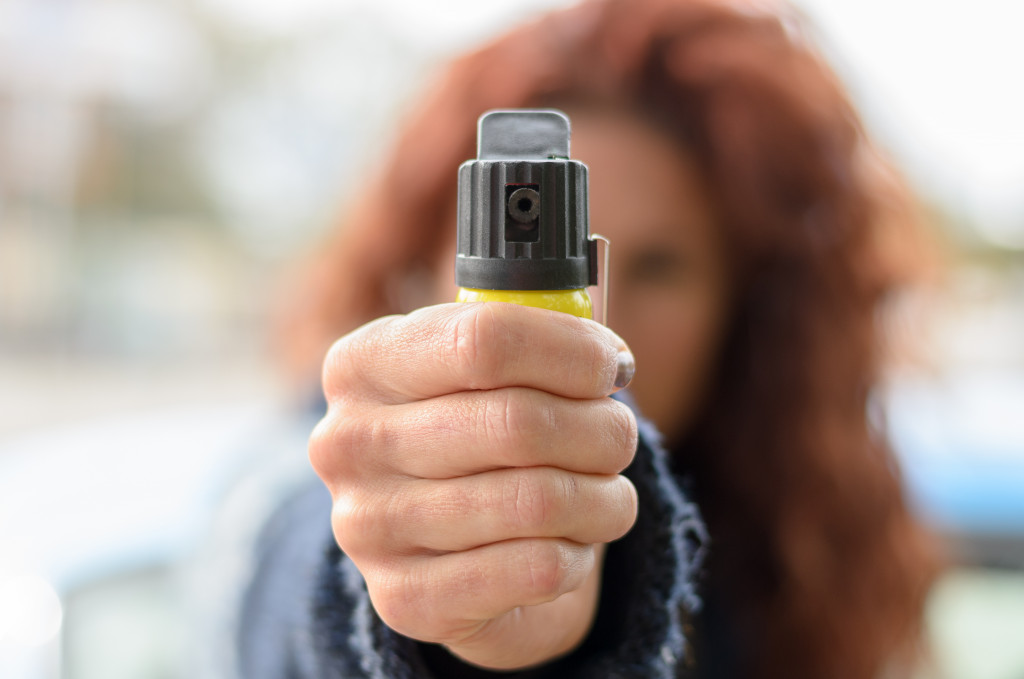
column 522, row 209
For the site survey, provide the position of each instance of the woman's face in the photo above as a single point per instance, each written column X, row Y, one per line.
column 668, row 279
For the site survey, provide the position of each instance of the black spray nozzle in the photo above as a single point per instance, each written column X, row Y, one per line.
column 522, row 216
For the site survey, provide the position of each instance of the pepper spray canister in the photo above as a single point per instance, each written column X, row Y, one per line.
column 523, row 222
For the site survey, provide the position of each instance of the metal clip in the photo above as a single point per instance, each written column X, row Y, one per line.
column 604, row 284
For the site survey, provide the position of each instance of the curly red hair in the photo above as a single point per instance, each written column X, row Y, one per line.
column 815, row 556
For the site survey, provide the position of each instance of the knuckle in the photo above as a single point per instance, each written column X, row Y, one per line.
column 597, row 360
column 496, row 419
column 326, row 442
column 519, row 424
column 628, row 506
column 545, row 571
column 353, row 523
column 476, row 345
column 416, row 607
column 320, row 448
column 339, row 439
column 508, row 420
column 569, row 490
column 464, row 346
column 396, row 600
column 441, row 505
column 385, row 521
column 338, row 366
column 334, row 363
column 529, row 502
column 348, row 357
column 403, row 512
column 623, row 434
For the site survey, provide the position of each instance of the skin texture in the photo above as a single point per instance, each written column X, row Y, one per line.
column 669, row 280
column 470, row 450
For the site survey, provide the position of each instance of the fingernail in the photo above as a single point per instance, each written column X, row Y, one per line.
column 625, row 366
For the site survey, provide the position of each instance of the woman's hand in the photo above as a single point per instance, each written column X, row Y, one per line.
column 474, row 464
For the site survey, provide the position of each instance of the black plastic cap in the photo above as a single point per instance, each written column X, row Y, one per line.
column 523, row 220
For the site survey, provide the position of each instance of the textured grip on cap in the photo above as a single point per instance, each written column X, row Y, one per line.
column 540, row 239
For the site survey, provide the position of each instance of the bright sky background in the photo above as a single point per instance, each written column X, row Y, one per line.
column 938, row 80
column 941, row 83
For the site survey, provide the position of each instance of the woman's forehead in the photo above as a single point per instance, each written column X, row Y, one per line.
column 642, row 184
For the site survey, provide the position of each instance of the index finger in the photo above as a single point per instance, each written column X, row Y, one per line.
column 470, row 346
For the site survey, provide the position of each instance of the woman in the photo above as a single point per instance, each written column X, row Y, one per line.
column 755, row 234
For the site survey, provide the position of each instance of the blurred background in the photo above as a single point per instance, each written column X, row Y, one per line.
column 161, row 161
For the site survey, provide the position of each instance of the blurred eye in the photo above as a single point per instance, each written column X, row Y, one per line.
column 656, row 266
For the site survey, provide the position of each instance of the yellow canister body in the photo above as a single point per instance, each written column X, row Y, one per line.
column 576, row 302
